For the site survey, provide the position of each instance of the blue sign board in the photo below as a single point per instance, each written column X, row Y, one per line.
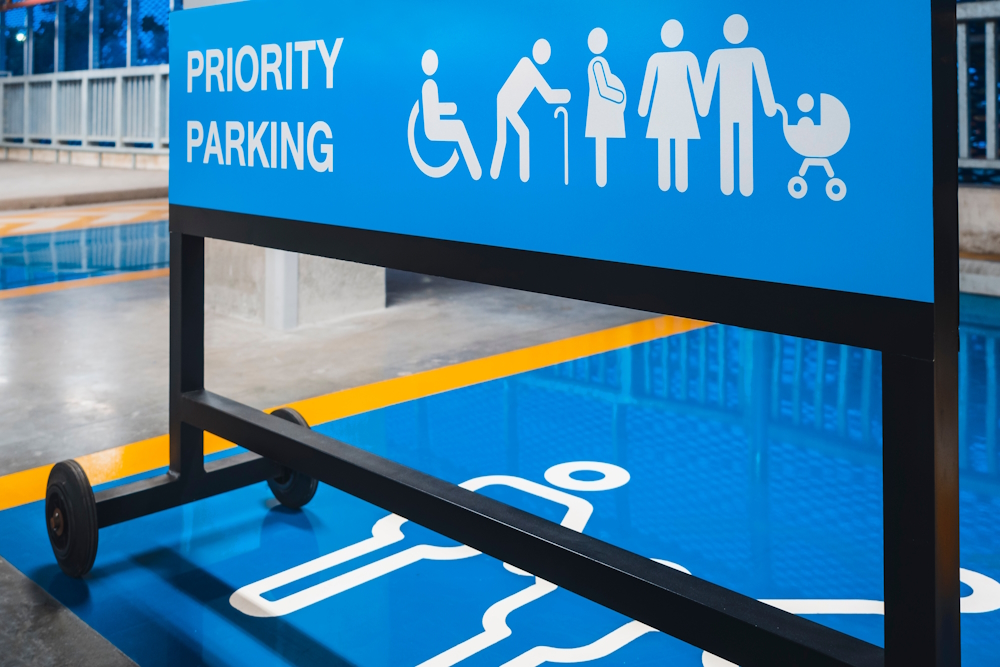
column 778, row 141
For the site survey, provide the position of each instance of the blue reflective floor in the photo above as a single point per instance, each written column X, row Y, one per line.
column 748, row 459
column 38, row 259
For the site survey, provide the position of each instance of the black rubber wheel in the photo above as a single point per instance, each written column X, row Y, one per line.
column 292, row 489
column 71, row 518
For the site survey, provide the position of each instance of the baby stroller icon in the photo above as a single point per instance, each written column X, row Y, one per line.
column 817, row 143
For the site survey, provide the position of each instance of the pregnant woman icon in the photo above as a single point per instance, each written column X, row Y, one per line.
column 606, row 106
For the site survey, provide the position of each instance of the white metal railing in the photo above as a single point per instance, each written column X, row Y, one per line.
column 123, row 108
column 972, row 15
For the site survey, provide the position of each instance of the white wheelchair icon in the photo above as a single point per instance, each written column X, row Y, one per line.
column 438, row 128
column 250, row 600
column 428, row 170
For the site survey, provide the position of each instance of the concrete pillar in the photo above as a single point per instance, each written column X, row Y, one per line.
column 284, row 290
column 979, row 220
column 979, row 239
column 234, row 279
column 281, row 289
column 330, row 289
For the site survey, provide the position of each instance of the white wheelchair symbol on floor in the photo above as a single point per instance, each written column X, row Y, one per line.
column 985, row 596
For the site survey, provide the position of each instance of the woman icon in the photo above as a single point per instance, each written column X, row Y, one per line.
column 672, row 115
column 606, row 106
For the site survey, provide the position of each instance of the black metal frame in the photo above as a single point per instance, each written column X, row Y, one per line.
column 919, row 343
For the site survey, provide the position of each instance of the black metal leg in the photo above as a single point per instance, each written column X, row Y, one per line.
column 155, row 494
column 920, row 473
column 187, row 349
column 189, row 478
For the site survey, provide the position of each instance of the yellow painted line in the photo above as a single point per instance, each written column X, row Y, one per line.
column 29, row 485
column 983, row 257
column 349, row 402
column 85, row 209
column 83, row 217
column 126, row 277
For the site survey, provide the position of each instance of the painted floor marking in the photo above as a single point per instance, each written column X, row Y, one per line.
column 985, row 596
column 249, row 599
column 82, row 217
column 602, row 648
column 46, row 288
column 495, row 628
column 350, row 402
column 116, row 463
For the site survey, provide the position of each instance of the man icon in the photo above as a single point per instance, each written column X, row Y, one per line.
column 735, row 69
column 523, row 81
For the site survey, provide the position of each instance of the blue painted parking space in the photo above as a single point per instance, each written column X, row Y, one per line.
column 40, row 259
column 748, row 459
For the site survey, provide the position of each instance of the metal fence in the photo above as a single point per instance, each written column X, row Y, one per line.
column 83, row 34
column 124, row 108
column 977, row 84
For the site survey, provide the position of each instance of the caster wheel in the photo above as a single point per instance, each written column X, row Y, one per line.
column 292, row 489
column 71, row 518
column 836, row 189
column 797, row 187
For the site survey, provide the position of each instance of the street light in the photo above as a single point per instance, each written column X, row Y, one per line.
column 21, row 36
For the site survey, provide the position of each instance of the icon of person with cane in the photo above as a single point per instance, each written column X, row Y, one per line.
column 523, row 81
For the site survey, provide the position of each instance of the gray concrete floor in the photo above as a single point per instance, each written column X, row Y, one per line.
column 86, row 369
column 26, row 185
column 37, row 631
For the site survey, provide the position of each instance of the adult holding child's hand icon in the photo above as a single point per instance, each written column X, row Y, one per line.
column 669, row 90
column 735, row 68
